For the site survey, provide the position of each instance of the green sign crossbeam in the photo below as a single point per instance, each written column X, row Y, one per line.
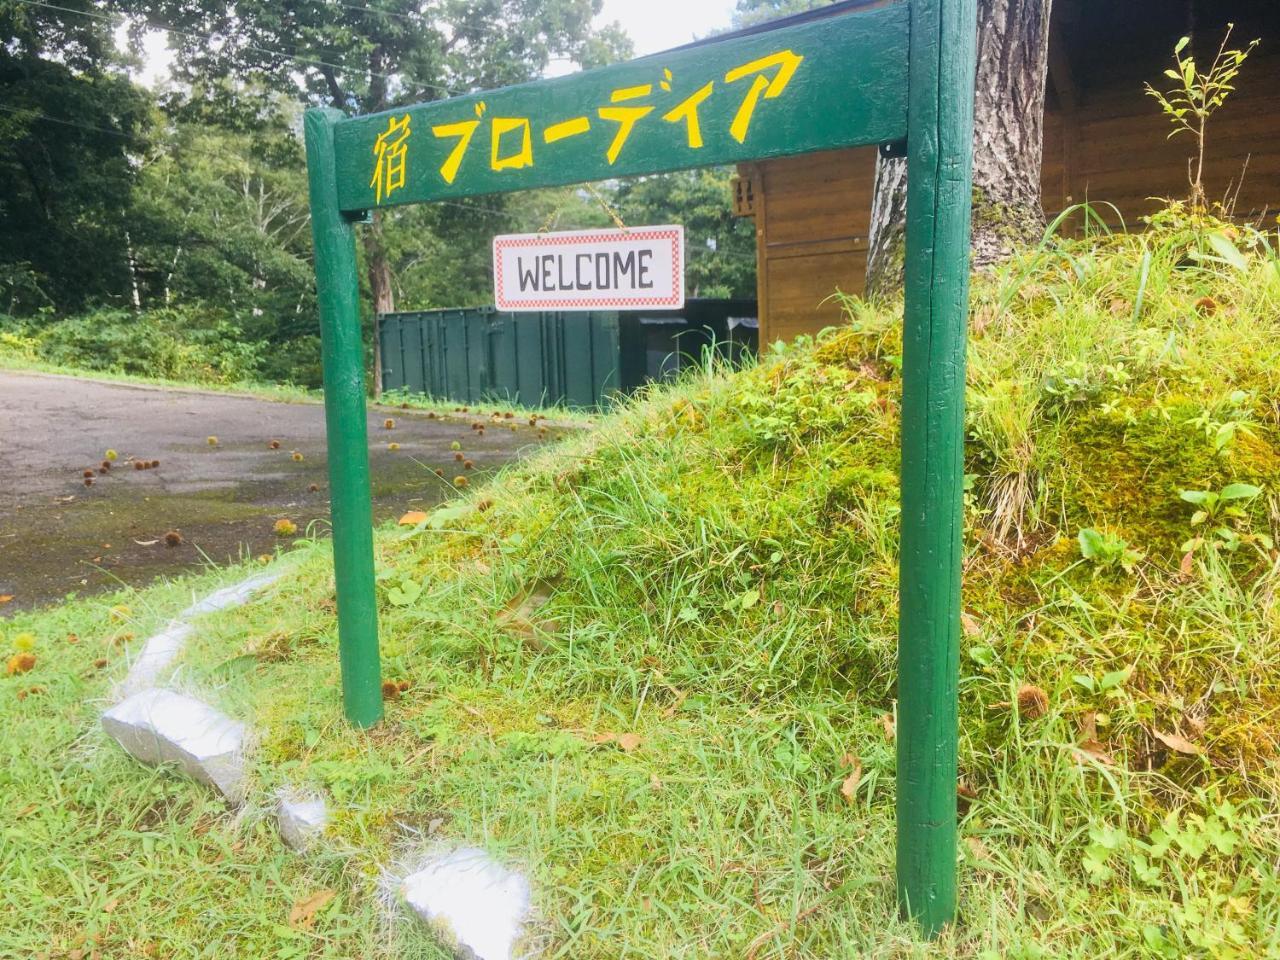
column 839, row 82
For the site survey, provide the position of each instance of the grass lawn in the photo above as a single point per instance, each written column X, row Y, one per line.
column 654, row 666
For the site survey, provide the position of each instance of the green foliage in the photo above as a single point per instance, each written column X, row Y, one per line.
column 191, row 343
column 748, row 13
column 721, row 248
column 1107, row 550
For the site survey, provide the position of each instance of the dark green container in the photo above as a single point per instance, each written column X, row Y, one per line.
column 548, row 359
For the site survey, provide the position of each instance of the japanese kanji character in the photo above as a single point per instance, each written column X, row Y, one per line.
column 390, row 153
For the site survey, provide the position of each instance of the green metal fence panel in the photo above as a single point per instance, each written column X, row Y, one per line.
column 475, row 354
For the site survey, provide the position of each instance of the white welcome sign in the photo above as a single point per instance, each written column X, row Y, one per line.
column 628, row 269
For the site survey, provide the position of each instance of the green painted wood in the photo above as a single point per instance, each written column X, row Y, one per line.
column 338, row 293
column 837, row 82
column 939, row 188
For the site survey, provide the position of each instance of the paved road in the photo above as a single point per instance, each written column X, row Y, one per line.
column 58, row 536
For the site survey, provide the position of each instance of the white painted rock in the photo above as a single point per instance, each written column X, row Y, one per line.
column 301, row 818
column 477, row 904
column 159, row 651
column 231, row 596
column 160, row 726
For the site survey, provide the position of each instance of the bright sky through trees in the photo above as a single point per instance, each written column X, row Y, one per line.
column 653, row 25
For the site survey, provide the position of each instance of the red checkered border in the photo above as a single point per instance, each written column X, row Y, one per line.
column 677, row 285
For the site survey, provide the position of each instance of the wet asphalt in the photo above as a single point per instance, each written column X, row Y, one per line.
column 59, row 537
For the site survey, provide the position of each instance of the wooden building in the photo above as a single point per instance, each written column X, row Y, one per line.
column 1105, row 141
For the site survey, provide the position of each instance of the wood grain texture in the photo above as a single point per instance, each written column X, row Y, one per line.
column 849, row 89
column 939, row 188
column 813, row 216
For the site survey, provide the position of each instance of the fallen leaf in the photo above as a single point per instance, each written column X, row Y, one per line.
column 1177, row 743
column 674, row 707
column 849, row 788
column 1089, row 726
column 412, row 518
column 890, row 728
column 20, row 663
column 5, row 597
column 655, row 784
column 966, row 792
column 977, row 848
column 303, row 914
column 969, row 625
column 1093, row 750
column 625, row 741
column 1187, row 566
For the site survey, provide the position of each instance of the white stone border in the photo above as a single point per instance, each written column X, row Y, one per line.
column 478, row 906
column 162, row 648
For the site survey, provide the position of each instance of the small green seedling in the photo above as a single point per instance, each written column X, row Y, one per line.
column 1106, row 550
column 1223, row 505
column 1109, row 684
column 1224, row 508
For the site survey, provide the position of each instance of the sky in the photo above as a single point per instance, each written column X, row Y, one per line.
column 653, row 25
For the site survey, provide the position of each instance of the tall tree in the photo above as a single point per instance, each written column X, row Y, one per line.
column 1013, row 63
column 721, row 247
column 72, row 128
column 747, row 13
column 370, row 57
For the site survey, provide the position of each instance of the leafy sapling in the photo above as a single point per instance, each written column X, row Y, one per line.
column 1195, row 96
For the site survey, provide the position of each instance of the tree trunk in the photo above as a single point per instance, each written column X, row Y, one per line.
column 375, row 255
column 1008, row 146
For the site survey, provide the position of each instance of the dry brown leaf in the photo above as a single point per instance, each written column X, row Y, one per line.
column 965, row 792
column 5, row 597
column 1177, row 743
column 655, row 784
column 890, row 728
column 969, row 625
column 1094, row 750
column 20, row 663
column 1089, row 726
column 977, row 848
column 625, row 741
column 303, row 914
column 629, row 741
column 517, row 616
column 1187, row 566
column 411, row 518
column 849, row 788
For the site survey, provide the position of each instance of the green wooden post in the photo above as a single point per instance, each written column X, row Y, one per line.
column 338, row 293
column 939, row 194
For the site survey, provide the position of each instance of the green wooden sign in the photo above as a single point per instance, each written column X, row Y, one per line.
column 868, row 76
column 835, row 83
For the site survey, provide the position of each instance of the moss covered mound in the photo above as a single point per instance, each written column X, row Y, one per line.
column 655, row 665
